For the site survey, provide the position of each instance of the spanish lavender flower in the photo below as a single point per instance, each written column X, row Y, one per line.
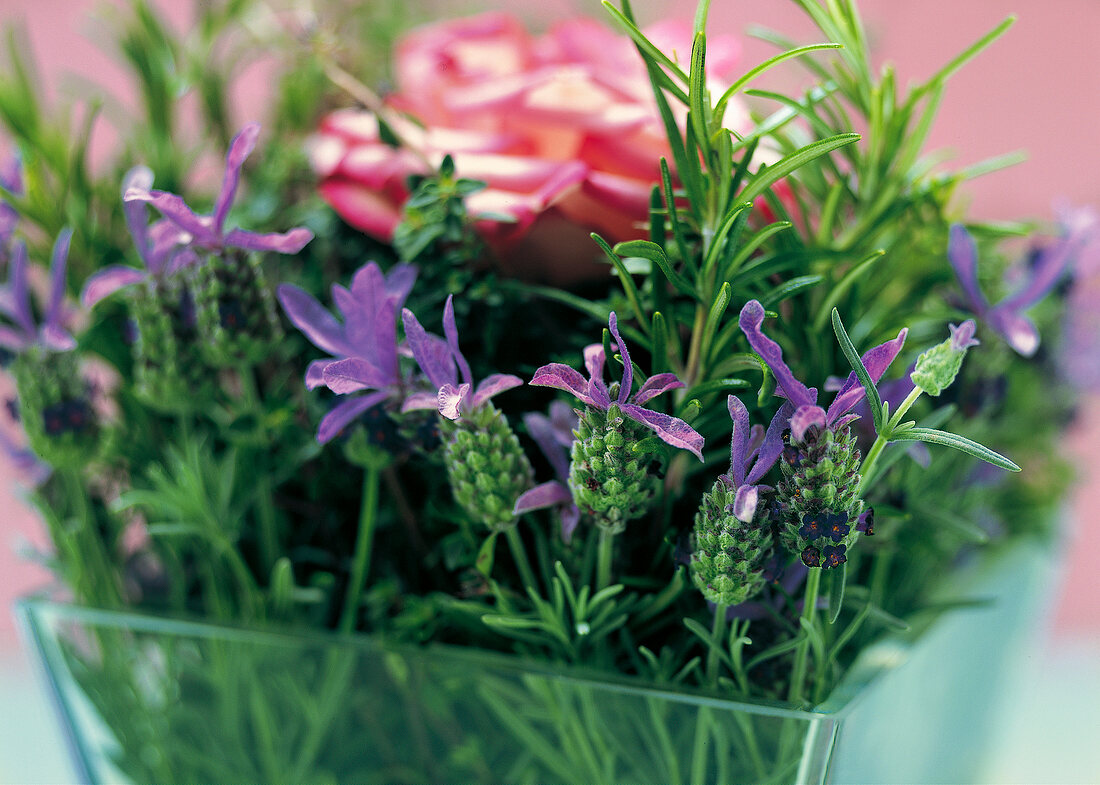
column 818, row 499
column 234, row 309
column 609, row 481
column 363, row 348
column 731, row 546
column 1007, row 318
column 54, row 402
column 486, row 466
column 595, row 394
column 554, row 436
column 207, row 232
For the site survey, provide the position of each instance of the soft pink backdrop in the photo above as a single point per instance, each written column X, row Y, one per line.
column 1035, row 89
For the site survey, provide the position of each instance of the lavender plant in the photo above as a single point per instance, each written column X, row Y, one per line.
column 645, row 556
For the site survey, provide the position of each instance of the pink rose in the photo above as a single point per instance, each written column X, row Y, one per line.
column 563, row 127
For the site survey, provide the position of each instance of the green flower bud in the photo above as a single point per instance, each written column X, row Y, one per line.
column 54, row 407
column 937, row 367
column 237, row 320
column 728, row 563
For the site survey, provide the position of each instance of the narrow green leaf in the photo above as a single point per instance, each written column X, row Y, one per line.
column 626, row 280
column 737, row 215
column 644, row 44
column 754, row 242
column 701, row 12
column 673, row 218
column 731, row 91
column 953, row 440
column 790, row 289
column 765, row 178
column 972, row 50
column 484, row 563
column 718, row 385
column 714, row 318
column 656, row 254
column 843, row 286
column 697, row 89
column 659, row 352
column 873, row 398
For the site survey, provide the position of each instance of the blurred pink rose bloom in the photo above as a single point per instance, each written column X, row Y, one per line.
column 563, row 127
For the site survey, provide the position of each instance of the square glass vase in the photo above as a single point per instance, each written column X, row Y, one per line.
column 151, row 699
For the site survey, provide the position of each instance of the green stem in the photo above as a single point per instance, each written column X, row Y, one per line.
column 603, row 558
column 265, row 505
column 809, row 614
column 884, row 438
column 368, row 513
column 718, row 627
column 519, row 555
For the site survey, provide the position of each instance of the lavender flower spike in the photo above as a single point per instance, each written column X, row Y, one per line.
column 24, row 333
column 455, row 395
column 207, row 232
column 1007, row 317
column 594, row 392
column 363, row 347
column 805, row 411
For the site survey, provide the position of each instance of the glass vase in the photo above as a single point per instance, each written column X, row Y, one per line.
column 151, row 699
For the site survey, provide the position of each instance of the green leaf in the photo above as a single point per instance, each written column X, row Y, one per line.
column 790, row 289
column 767, row 177
column 971, row 51
column 646, row 46
column 697, row 88
column 849, row 349
column 484, row 563
column 953, row 440
column 843, row 286
column 656, row 254
column 717, row 385
column 731, row 91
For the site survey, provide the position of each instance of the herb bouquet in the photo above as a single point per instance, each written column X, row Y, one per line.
column 724, row 393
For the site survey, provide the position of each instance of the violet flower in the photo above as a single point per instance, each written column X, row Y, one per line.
column 1007, row 318
column 11, row 181
column 554, row 436
column 25, row 462
column 455, row 395
column 755, row 446
column 594, row 392
column 803, row 400
column 363, row 348
column 207, row 232
column 158, row 245
column 16, row 305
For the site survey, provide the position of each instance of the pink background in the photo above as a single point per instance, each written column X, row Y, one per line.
column 1036, row 89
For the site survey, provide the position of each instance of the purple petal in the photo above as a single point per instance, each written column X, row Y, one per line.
column 1052, row 263
column 494, row 384
column 744, row 503
column 570, row 517
column 166, row 239
column 772, row 446
column 751, row 318
column 656, row 385
column 108, row 281
column 12, row 339
column 628, row 367
column 352, row 374
column 962, row 337
column 288, row 242
column 431, row 353
column 451, row 399
column 876, row 361
column 542, row 496
column 561, row 377
column 20, row 294
column 962, row 252
column 739, row 440
column 58, row 261
column 399, row 282
column 139, row 178
column 803, row 418
column 371, row 317
column 344, row 413
column 315, row 373
column 541, row 430
column 313, row 319
column 671, row 430
column 176, row 210
column 563, row 417
column 1019, row 331
column 56, row 338
column 239, row 149
column 450, row 331
column 594, row 360
column 421, row 400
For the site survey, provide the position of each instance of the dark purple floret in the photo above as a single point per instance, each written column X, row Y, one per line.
column 812, row 526
column 866, row 522
column 834, row 556
column 836, row 525
column 811, row 556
